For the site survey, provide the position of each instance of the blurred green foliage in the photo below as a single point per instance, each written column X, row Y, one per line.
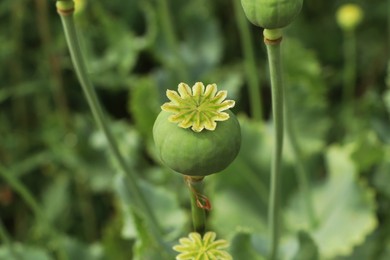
column 61, row 195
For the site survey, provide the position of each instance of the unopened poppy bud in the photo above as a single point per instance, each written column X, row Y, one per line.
column 349, row 16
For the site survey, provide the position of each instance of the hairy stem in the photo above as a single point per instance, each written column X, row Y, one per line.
column 249, row 62
column 275, row 68
column 65, row 9
column 195, row 187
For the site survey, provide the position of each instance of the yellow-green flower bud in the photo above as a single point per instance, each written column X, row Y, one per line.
column 271, row 14
column 79, row 6
column 349, row 16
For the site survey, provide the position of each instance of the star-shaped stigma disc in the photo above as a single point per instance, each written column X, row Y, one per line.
column 196, row 247
column 199, row 107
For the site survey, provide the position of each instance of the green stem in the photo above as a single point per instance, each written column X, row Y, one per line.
column 195, row 187
column 20, row 188
column 275, row 68
column 249, row 62
column 349, row 76
column 169, row 33
column 299, row 162
column 33, row 161
column 65, row 9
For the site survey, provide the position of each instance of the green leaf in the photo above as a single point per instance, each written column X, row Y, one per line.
column 229, row 78
column 241, row 247
column 307, row 247
column 200, row 45
column 344, row 207
column 382, row 176
column 305, row 95
column 368, row 150
column 241, row 191
column 369, row 249
column 144, row 248
column 75, row 249
column 129, row 144
column 114, row 49
column 163, row 202
column 23, row 252
column 56, row 199
column 115, row 246
column 166, row 208
column 144, row 104
column 386, row 99
column 203, row 43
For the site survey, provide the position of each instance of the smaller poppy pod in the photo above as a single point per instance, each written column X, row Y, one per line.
column 187, row 136
column 271, row 14
column 349, row 16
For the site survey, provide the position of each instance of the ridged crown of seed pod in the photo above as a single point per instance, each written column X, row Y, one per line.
column 271, row 14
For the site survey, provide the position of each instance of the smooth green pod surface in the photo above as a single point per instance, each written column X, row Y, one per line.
column 271, row 14
column 197, row 153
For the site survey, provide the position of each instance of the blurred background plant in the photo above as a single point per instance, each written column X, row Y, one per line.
column 60, row 194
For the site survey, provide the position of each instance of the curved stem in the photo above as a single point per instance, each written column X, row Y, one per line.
column 275, row 68
column 195, row 186
column 249, row 62
column 65, row 9
column 24, row 193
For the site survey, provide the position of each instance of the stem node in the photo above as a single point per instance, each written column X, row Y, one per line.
column 65, row 8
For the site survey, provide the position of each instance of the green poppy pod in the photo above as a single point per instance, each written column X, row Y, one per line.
column 196, row 153
column 271, row 14
column 187, row 138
